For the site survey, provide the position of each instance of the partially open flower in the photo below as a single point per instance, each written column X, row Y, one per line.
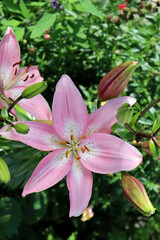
column 136, row 194
column 114, row 82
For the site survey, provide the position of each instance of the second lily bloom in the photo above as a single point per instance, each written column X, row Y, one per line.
column 80, row 144
column 14, row 80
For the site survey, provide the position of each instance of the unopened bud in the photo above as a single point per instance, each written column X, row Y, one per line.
column 87, row 214
column 47, row 31
column 4, row 172
column 34, row 89
column 31, row 50
column 136, row 194
column 125, row 113
column 114, row 82
column 21, row 128
column 47, row 36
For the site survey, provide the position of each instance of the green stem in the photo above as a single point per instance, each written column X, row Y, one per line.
column 14, row 103
column 156, row 141
column 137, row 133
column 156, row 132
column 147, row 108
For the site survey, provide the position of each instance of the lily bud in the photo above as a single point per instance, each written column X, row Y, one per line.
column 114, row 82
column 135, row 193
column 125, row 113
column 87, row 214
column 21, row 128
column 4, row 172
column 34, row 89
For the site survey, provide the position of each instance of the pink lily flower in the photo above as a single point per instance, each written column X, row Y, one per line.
column 14, row 80
column 80, row 144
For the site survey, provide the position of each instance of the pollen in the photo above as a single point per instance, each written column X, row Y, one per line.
column 15, row 71
column 32, row 76
column 26, row 79
column 72, row 137
column 17, row 63
column 64, row 143
column 67, row 154
column 78, row 158
column 86, row 148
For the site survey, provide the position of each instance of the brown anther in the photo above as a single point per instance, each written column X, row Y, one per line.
column 78, row 158
column 29, row 66
column 67, row 154
column 86, row 148
column 83, row 150
column 71, row 137
column 83, row 137
column 17, row 63
column 15, row 71
column 26, row 79
column 32, row 76
column 63, row 143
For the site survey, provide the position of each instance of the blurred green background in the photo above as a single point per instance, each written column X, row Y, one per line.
column 85, row 40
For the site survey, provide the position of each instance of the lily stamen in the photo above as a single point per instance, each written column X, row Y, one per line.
column 26, row 79
column 67, row 153
column 32, row 76
column 15, row 71
column 17, row 63
column 86, row 148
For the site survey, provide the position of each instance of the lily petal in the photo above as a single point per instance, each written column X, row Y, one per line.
column 69, row 110
column 37, row 107
column 49, row 171
column 79, row 183
column 108, row 154
column 104, row 118
column 41, row 136
column 10, row 54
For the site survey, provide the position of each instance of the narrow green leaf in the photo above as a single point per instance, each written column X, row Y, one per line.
column 46, row 21
column 152, row 148
column 4, row 113
column 4, row 171
column 24, row 10
column 87, row 7
column 156, row 125
column 11, row 6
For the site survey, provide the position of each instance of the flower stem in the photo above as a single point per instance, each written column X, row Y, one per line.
column 14, row 103
column 137, row 133
column 147, row 108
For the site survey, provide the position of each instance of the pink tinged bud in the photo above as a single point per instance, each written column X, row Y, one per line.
column 47, row 36
column 31, row 50
column 114, row 82
column 135, row 193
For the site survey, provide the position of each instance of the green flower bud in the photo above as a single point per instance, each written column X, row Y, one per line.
column 135, row 193
column 4, row 113
column 21, row 128
column 34, row 89
column 4, row 172
column 114, row 82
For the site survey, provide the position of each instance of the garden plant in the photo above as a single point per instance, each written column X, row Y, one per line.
column 79, row 120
